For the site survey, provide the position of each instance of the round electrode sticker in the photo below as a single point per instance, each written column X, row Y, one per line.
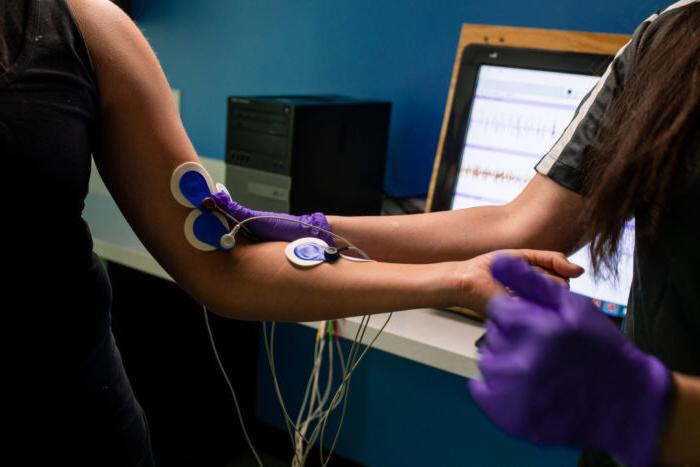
column 306, row 252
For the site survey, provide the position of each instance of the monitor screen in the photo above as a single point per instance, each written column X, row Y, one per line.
column 516, row 116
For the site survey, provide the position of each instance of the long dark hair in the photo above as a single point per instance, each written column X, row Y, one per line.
column 643, row 142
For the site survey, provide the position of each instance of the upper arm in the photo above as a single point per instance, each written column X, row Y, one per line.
column 547, row 211
column 142, row 138
column 543, row 216
column 566, row 161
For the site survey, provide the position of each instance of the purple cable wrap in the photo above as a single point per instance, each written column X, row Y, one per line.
column 275, row 229
column 556, row 371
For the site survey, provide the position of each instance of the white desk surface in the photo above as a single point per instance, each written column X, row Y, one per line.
column 436, row 338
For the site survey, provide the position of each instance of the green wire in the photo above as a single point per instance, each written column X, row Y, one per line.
column 330, row 331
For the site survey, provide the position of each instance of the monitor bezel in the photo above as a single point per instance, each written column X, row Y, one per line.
column 473, row 57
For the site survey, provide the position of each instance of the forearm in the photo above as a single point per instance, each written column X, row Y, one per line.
column 453, row 235
column 542, row 217
column 423, row 238
column 680, row 443
column 257, row 282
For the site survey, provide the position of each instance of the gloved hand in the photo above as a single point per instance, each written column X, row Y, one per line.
column 275, row 229
column 557, row 371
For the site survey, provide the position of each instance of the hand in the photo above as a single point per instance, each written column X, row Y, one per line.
column 275, row 229
column 480, row 286
column 555, row 370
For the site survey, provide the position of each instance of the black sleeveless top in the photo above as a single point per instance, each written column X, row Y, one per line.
column 64, row 396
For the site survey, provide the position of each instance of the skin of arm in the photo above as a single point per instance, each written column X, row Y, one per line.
column 543, row 216
column 143, row 140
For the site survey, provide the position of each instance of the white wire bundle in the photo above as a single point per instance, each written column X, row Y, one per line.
column 315, row 403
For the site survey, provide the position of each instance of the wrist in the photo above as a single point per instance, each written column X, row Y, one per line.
column 473, row 285
column 452, row 284
column 423, row 285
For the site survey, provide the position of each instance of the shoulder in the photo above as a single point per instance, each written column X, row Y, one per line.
column 120, row 53
column 101, row 22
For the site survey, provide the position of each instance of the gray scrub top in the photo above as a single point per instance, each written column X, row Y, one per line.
column 663, row 317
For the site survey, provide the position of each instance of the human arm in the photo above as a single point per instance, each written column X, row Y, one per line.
column 545, row 215
column 541, row 217
column 142, row 141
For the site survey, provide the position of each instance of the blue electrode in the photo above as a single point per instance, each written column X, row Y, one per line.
column 207, row 228
column 191, row 186
column 309, row 252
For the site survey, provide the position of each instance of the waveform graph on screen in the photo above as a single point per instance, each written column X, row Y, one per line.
column 516, row 126
column 495, row 175
column 511, row 126
column 487, row 183
column 484, row 180
column 519, row 126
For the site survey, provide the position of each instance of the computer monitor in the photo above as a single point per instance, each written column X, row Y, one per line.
column 510, row 106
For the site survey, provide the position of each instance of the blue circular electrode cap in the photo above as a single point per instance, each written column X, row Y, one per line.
column 306, row 252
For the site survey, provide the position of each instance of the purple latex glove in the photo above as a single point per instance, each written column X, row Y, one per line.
column 557, row 371
column 275, row 229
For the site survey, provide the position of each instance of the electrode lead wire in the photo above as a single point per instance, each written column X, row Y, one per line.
column 230, row 387
column 297, row 431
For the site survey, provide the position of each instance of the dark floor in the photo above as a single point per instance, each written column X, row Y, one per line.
column 274, row 447
column 246, row 459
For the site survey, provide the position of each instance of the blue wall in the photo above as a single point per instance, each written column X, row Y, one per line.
column 401, row 413
column 402, row 51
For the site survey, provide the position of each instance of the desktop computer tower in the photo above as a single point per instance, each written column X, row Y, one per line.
column 301, row 154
